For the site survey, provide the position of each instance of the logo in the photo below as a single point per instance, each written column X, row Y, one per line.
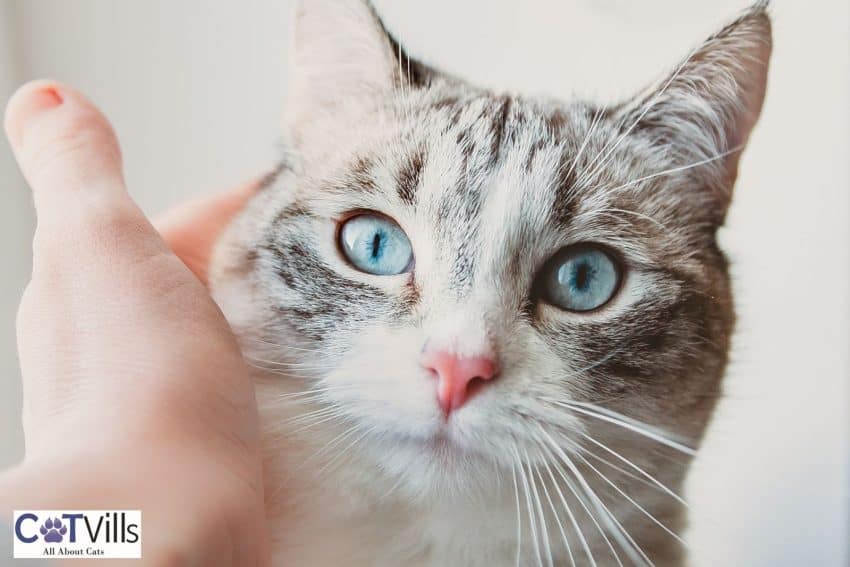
column 53, row 530
column 80, row 534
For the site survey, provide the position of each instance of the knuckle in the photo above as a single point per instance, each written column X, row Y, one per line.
column 97, row 221
column 50, row 277
column 67, row 141
column 62, row 256
column 106, row 221
column 63, row 147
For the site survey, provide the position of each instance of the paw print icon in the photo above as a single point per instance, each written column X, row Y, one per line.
column 52, row 530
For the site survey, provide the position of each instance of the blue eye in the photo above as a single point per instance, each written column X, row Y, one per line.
column 376, row 245
column 580, row 279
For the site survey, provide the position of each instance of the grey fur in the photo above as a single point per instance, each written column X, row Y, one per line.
column 488, row 187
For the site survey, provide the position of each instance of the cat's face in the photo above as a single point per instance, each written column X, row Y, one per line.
column 421, row 224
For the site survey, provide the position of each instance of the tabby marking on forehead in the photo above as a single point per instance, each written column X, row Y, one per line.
column 569, row 437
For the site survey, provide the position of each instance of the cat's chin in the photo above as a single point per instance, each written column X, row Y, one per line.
column 444, row 447
column 438, row 463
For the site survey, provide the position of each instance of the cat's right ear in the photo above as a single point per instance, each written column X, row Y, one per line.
column 341, row 54
column 706, row 109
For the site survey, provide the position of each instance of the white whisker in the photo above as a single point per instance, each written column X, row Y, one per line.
column 314, row 391
column 633, row 502
column 531, row 514
column 544, row 532
column 307, row 416
column 647, row 107
column 581, row 502
column 325, row 417
column 624, row 422
column 280, row 346
column 617, row 530
column 642, row 472
column 330, row 445
column 610, row 210
column 587, row 452
column 594, row 123
column 673, row 170
column 518, row 515
column 564, row 537
column 343, row 452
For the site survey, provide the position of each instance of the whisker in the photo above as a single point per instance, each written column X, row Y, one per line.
column 648, row 476
column 633, row 502
column 608, row 356
column 288, row 364
column 677, row 169
column 518, row 514
column 531, row 515
column 281, row 346
column 325, row 417
column 555, row 512
column 315, row 391
column 306, row 416
column 544, row 532
column 646, row 109
column 624, row 422
column 594, row 123
column 344, row 452
column 313, row 399
column 330, row 445
column 587, row 452
column 610, row 210
column 620, row 534
column 278, row 371
column 580, row 500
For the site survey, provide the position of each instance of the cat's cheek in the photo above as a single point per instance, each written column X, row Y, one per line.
column 382, row 384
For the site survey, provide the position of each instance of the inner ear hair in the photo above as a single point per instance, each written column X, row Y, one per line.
column 342, row 55
column 706, row 108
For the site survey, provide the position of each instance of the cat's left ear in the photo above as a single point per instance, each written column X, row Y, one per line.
column 706, row 109
column 342, row 54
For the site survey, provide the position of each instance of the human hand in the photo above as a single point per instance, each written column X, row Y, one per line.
column 133, row 381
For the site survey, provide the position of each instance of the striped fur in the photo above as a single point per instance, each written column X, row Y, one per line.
column 360, row 467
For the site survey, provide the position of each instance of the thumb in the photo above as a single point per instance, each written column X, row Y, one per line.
column 65, row 147
column 70, row 157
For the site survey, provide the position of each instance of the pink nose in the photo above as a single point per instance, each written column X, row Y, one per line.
column 458, row 377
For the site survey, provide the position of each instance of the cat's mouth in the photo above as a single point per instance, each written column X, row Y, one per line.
column 445, row 444
column 441, row 441
column 447, row 453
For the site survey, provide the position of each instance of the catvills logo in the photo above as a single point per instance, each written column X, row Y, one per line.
column 83, row 534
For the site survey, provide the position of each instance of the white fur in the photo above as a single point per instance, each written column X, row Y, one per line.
column 361, row 466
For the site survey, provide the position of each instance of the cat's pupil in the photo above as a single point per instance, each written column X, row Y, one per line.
column 376, row 245
column 582, row 276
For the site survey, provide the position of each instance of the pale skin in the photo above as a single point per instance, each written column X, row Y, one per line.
column 136, row 395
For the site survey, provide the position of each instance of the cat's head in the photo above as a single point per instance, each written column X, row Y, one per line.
column 469, row 278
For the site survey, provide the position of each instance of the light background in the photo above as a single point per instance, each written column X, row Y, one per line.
column 196, row 91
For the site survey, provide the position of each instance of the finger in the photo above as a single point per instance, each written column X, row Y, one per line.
column 192, row 229
column 65, row 147
column 69, row 154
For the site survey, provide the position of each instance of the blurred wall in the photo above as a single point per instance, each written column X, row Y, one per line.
column 196, row 90
column 16, row 220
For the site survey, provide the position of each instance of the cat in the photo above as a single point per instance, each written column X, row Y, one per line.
column 487, row 329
